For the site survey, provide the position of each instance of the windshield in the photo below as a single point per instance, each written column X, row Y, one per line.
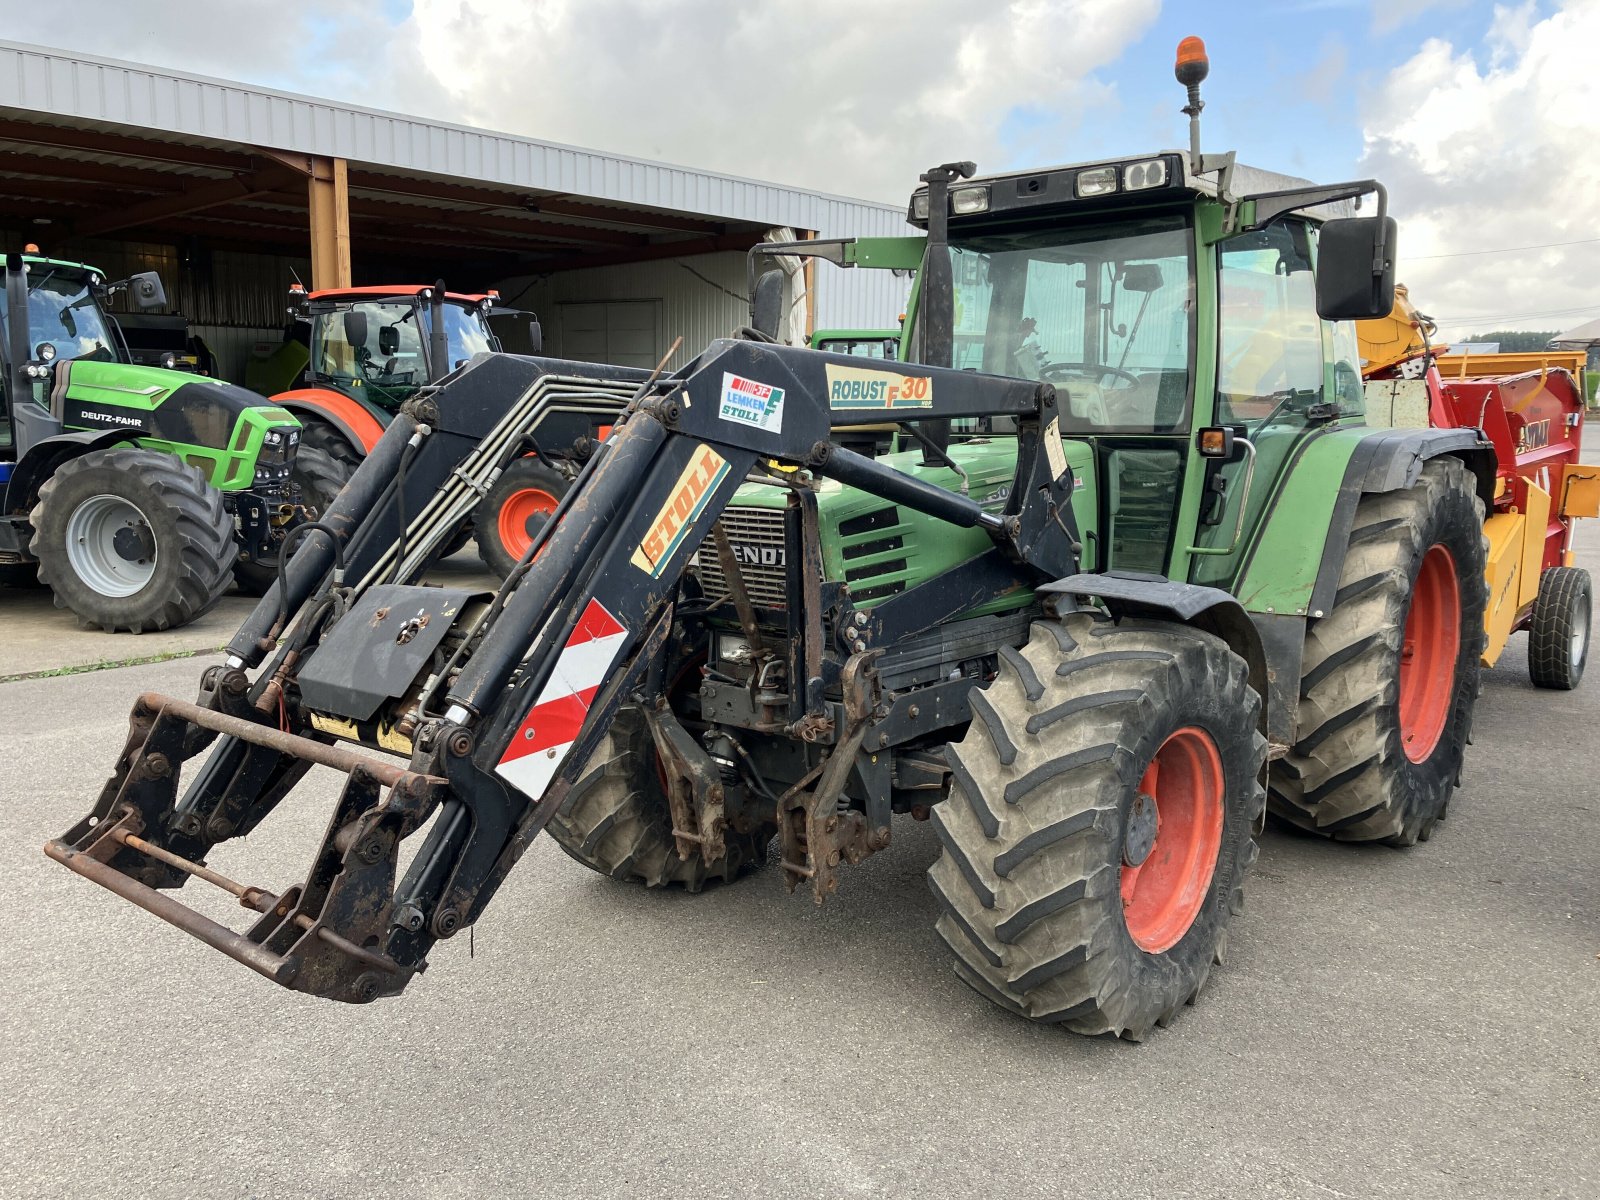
column 391, row 357
column 62, row 311
column 1102, row 311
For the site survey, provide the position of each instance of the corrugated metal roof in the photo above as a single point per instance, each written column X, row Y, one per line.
column 181, row 106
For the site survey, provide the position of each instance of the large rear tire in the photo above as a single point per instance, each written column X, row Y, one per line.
column 1099, row 823
column 1390, row 675
column 132, row 539
column 1558, row 630
column 616, row 820
column 513, row 510
column 322, row 436
column 318, row 479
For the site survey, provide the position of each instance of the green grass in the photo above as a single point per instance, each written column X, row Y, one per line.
column 106, row 664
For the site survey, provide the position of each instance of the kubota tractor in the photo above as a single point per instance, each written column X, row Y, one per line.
column 374, row 348
column 137, row 493
column 1163, row 580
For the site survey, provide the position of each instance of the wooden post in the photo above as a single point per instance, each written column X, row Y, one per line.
column 329, row 210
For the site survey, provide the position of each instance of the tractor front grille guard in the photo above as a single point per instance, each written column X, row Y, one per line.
column 335, row 934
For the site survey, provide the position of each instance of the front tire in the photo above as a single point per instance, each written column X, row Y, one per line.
column 1390, row 675
column 132, row 539
column 1099, row 823
column 616, row 819
column 513, row 511
column 1558, row 630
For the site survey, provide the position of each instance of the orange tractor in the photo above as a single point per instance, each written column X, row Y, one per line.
column 373, row 349
column 1531, row 407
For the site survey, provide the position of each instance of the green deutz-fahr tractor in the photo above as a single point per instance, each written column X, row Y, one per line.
column 136, row 493
column 1141, row 573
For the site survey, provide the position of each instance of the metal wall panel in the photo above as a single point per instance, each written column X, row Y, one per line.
column 51, row 82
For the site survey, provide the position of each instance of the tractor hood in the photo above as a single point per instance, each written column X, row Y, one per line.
column 239, row 439
column 172, row 405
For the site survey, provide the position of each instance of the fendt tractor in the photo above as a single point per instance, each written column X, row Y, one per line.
column 136, row 493
column 1105, row 609
column 373, row 348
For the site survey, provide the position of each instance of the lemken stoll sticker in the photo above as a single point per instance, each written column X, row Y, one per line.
column 855, row 387
column 751, row 403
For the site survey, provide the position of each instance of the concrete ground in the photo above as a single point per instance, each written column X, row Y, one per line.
column 1390, row 1023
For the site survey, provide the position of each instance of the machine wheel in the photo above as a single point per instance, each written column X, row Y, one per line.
column 318, row 477
column 1390, row 675
column 513, row 510
column 132, row 539
column 1099, row 823
column 320, row 435
column 1558, row 631
column 616, row 821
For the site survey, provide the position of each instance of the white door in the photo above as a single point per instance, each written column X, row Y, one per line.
column 624, row 332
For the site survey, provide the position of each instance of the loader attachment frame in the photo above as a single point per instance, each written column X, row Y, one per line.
column 498, row 734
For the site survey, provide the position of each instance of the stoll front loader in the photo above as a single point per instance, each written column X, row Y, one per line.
column 1166, row 583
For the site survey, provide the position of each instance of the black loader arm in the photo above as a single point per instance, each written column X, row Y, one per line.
column 498, row 734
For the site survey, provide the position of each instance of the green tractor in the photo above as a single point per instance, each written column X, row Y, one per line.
column 137, row 493
column 1141, row 572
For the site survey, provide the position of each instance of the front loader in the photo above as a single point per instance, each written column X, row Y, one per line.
column 1104, row 608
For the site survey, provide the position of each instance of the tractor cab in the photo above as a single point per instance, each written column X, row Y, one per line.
column 53, row 314
column 1180, row 324
column 380, row 345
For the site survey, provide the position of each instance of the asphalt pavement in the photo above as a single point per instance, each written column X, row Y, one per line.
column 1420, row 1022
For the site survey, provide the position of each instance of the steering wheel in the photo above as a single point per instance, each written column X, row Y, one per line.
column 1050, row 371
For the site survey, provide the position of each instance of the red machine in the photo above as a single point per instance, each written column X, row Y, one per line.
column 1531, row 408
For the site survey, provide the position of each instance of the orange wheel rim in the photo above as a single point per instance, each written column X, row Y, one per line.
column 1428, row 651
column 520, row 517
column 1163, row 894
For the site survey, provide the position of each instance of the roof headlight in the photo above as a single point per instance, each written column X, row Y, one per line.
column 968, row 200
column 919, row 206
column 1099, row 181
column 45, row 352
column 169, row 360
column 1140, row 175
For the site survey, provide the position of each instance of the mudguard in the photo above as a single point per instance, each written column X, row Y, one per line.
column 1132, row 594
column 46, row 455
column 360, row 423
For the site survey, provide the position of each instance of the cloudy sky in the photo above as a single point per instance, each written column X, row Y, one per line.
column 1482, row 118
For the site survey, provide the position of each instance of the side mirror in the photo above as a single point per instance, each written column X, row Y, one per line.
column 146, row 290
column 1141, row 277
column 535, row 336
column 1355, row 269
column 355, row 327
column 766, row 306
column 388, row 340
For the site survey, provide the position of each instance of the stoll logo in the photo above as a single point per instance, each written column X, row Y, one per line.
column 688, row 500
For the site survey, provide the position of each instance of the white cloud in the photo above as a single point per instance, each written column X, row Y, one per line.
column 1389, row 15
column 1499, row 148
column 839, row 95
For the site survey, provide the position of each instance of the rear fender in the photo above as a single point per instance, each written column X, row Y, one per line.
column 1391, row 461
column 1210, row 609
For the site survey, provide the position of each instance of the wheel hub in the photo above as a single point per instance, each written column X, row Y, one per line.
column 521, row 517
column 1139, row 838
column 134, row 542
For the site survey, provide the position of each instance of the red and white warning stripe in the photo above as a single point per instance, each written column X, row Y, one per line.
column 546, row 735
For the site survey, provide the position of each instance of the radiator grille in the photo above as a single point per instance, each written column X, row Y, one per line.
column 756, row 535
